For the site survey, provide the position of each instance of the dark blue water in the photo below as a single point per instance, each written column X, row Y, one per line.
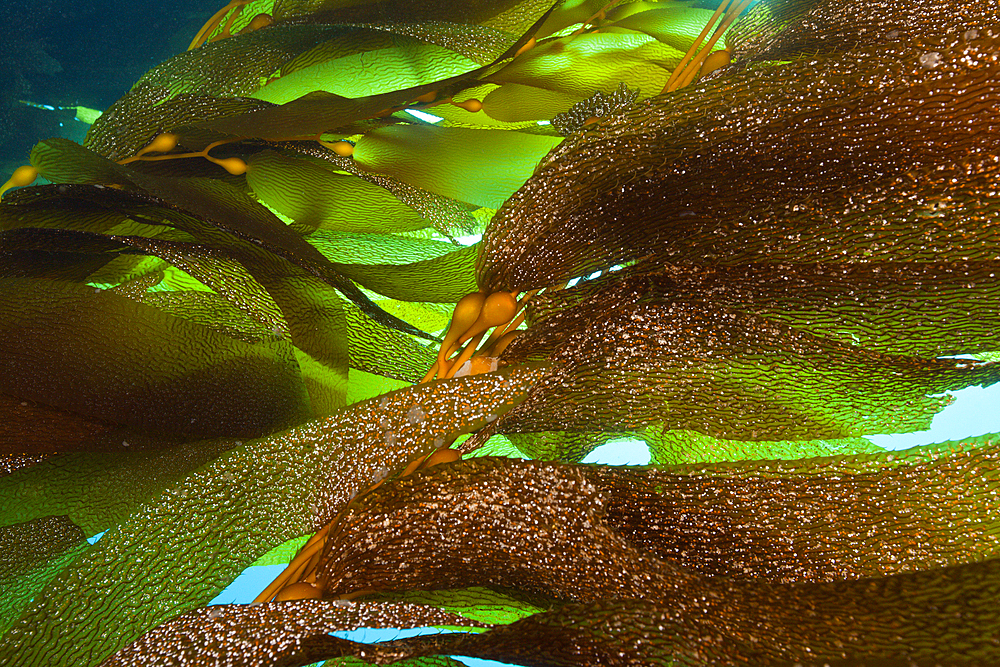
column 66, row 54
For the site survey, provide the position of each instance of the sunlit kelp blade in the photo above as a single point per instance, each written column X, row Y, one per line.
column 441, row 279
column 818, row 519
column 31, row 554
column 99, row 490
column 182, row 548
column 100, row 355
column 372, row 62
column 582, row 64
column 633, row 357
column 375, row 348
column 803, row 138
column 675, row 447
column 482, row 167
column 316, row 197
column 201, row 81
column 558, row 445
column 483, row 605
column 238, row 635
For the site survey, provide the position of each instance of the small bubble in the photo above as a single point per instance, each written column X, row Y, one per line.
column 930, row 60
column 125, row 443
column 970, row 35
column 416, row 415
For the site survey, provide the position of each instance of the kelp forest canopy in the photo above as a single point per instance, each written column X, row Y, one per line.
column 356, row 286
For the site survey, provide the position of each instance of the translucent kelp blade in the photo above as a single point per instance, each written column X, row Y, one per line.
column 817, row 519
column 446, row 215
column 442, row 279
column 580, row 65
column 587, row 210
column 489, row 515
column 311, row 312
column 630, row 359
column 181, row 549
column 31, row 553
column 514, row 103
column 867, row 304
column 378, row 349
column 100, row 355
column 213, row 202
column 674, row 447
column 230, row 68
column 482, row 605
column 675, row 24
column 271, row 634
column 558, row 445
column 209, row 310
column 483, row 167
column 99, row 490
column 117, row 138
column 786, row 29
column 347, row 248
column 360, row 62
column 318, row 198
column 514, row 16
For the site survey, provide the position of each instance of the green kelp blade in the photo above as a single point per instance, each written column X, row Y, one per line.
column 375, row 348
column 311, row 313
column 675, row 24
column 676, row 447
column 360, row 62
column 194, row 86
column 514, row 16
column 515, row 102
column 180, row 549
column 319, row 111
column 579, row 65
column 317, row 198
column 250, row 636
column 99, row 490
column 31, row 553
column 482, row 605
column 348, row 248
column 444, row 279
column 560, row 446
column 632, row 356
column 100, row 355
column 482, row 167
column 785, row 201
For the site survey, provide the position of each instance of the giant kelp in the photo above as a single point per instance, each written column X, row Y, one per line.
column 217, row 315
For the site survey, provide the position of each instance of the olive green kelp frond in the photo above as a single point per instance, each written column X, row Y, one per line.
column 354, row 287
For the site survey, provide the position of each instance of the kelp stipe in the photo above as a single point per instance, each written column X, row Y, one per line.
column 215, row 323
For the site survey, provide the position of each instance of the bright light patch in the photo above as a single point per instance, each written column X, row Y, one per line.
column 621, row 452
column 545, row 122
column 973, row 413
column 471, row 239
column 251, row 582
column 424, row 116
column 93, row 540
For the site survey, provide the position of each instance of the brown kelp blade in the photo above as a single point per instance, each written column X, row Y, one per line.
column 699, row 186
